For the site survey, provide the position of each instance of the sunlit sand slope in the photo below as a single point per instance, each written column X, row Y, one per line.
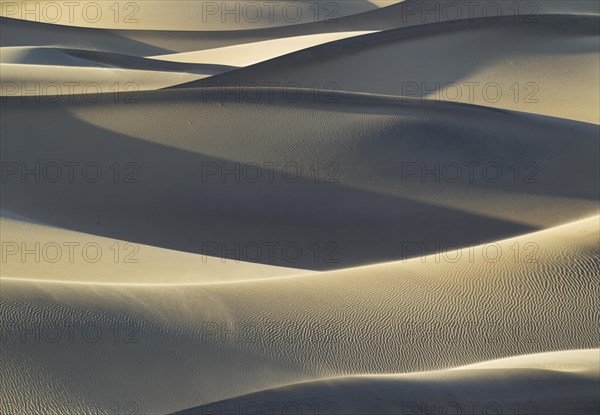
column 181, row 15
column 344, row 181
column 549, row 67
column 210, row 343
column 546, row 383
column 49, row 71
column 255, row 52
column 36, row 252
column 128, row 40
column 56, row 72
column 370, row 207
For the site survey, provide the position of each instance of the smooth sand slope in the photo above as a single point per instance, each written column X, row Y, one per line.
column 206, row 213
column 210, row 343
column 127, row 40
column 182, row 15
column 549, row 67
column 87, row 259
column 48, row 71
column 255, row 52
column 67, row 72
column 546, row 383
column 171, row 170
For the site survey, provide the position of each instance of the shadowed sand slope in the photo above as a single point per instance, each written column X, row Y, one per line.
column 369, row 207
column 182, row 15
column 210, row 343
column 252, row 53
column 53, row 71
column 87, row 259
column 82, row 58
column 547, row 383
column 127, row 40
column 549, row 67
column 169, row 169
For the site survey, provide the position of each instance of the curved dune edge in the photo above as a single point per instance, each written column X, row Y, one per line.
column 67, row 72
column 173, row 205
column 88, row 58
column 584, row 362
column 157, row 267
column 216, row 342
column 524, row 67
column 59, row 71
column 547, row 383
column 144, row 42
column 253, row 53
column 155, row 324
column 64, row 82
column 74, row 257
column 181, row 15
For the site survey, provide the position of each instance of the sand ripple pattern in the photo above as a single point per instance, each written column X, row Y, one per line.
column 417, row 292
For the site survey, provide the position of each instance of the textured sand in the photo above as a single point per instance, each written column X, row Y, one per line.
column 65, row 72
column 216, row 342
column 180, row 198
column 87, row 259
column 183, row 15
column 128, row 40
column 48, row 71
column 549, row 67
column 255, row 52
column 555, row 379
column 267, row 217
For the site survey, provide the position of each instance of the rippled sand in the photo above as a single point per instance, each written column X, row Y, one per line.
column 395, row 212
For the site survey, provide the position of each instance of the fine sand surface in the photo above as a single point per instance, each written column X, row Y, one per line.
column 549, row 67
column 185, row 15
column 556, row 380
column 128, row 40
column 58, row 71
column 220, row 341
column 154, row 171
column 87, row 259
column 375, row 208
column 255, row 52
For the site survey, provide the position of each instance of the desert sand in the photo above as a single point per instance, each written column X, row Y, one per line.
column 373, row 208
column 560, row 377
column 214, row 342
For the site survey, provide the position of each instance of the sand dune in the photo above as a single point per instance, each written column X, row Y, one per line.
column 252, row 53
column 549, row 67
column 182, row 15
column 94, row 59
column 67, row 72
column 127, row 40
column 217, row 342
column 87, row 259
column 362, row 207
column 135, row 180
column 46, row 71
column 544, row 383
